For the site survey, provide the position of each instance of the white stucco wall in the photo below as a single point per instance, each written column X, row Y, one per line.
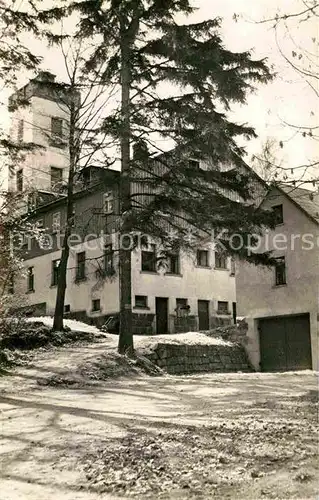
column 78, row 295
column 194, row 283
column 257, row 295
column 37, row 126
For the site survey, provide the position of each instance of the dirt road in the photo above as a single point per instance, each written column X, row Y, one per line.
column 240, row 436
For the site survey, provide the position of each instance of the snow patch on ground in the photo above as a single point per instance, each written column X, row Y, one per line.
column 189, row 338
column 71, row 323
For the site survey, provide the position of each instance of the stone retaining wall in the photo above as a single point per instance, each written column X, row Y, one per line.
column 183, row 359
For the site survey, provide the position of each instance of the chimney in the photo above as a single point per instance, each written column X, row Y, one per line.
column 45, row 76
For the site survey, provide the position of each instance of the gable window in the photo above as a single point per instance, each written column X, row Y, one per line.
column 108, row 203
column 173, row 263
column 202, row 258
column 56, row 222
column 96, row 305
column 222, row 307
column 30, row 279
column 220, row 260
column 279, row 215
column 280, row 271
column 56, row 128
column 80, row 266
column 20, row 130
column 141, row 301
column 19, row 180
column 55, row 272
column 149, row 259
column 56, row 177
column 108, row 258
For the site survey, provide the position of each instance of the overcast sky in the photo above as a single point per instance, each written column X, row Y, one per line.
column 288, row 98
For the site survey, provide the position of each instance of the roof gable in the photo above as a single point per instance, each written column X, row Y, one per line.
column 306, row 200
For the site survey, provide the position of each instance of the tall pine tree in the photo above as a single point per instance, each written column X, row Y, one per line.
column 176, row 82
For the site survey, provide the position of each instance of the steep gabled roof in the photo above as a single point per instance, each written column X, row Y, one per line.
column 305, row 199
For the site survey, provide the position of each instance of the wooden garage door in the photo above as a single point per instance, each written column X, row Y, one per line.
column 285, row 343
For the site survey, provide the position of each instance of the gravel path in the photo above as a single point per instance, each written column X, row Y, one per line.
column 238, row 436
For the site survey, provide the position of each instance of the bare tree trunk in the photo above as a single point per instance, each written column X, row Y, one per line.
column 62, row 272
column 125, row 259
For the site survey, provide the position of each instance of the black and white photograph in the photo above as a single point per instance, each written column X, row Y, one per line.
column 159, row 249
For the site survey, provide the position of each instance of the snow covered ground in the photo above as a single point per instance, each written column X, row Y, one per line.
column 190, row 338
column 220, row 436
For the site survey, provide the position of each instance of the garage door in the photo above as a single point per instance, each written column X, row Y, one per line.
column 285, row 343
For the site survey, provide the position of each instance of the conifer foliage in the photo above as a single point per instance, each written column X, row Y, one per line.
column 177, row 83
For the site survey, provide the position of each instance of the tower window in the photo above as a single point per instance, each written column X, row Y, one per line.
column 56, row 177
column 56, row 128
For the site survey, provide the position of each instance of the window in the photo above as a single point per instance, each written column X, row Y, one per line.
column 194, row 164
column 222, row 307
column 20, row 130
column 220, row 260
column 232, row 267
column 203, row 258
column 149, row 259
column 182, row 307
column 96, row 305
column 108, row 259
column 181, row 303
column 67, row 308
column 173, row 263
column 141, row 301
column 80, row 266
column 108, row 203
column 30, row 280
column 279, row 215
column 280, row 271
column 56, row 222
column 55, row 272
column 20, row 180
column 56, row 177
column 56, row 128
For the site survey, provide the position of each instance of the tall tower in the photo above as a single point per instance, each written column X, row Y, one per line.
column 44, row 121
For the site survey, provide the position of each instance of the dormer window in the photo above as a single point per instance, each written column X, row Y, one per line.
column 108, row 203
